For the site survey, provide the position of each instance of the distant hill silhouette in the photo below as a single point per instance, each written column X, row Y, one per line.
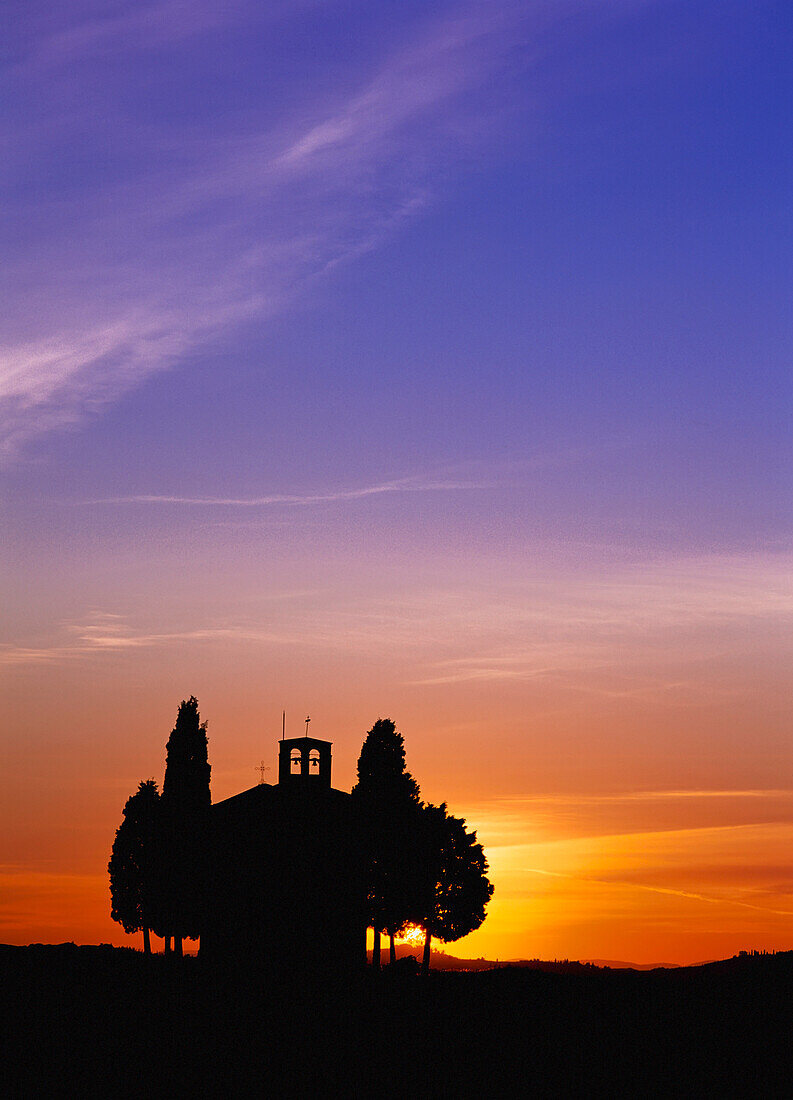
column 617, row 964
column 441, row 960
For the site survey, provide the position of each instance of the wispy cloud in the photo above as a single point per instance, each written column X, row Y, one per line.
column 531, row 625
column 404, row 485
column 662, row 638
column 299, row 621
column 621, row 797
column 279, row 208
column 104, row 633
column 689, row 895
column 144, row 27
column 82, row 31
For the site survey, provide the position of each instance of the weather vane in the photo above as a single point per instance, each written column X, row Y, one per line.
column 307, row 721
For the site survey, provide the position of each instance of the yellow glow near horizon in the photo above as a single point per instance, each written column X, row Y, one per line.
column 412, row 935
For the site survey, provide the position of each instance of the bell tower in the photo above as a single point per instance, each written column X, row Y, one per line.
column 304, row 762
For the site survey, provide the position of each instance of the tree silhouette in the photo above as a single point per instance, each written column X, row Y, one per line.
column 388, row 800
column 132, row 863
column 185, row 807
column 456, row 888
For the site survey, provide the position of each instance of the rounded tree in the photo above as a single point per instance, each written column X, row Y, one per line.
column 456, row 887
column 132, row 865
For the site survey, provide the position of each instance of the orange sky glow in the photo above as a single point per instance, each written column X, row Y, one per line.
column 617, row 736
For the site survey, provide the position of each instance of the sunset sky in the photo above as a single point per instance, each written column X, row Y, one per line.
column 427, row 360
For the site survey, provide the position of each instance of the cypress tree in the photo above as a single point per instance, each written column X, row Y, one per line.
column 388, row 798
column 185, row 803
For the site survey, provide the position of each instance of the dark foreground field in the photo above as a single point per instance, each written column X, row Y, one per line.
column 88, row 1021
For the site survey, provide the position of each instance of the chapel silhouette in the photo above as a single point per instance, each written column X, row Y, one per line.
column 285, row 885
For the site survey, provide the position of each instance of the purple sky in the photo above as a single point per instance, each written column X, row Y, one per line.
column 343, row 244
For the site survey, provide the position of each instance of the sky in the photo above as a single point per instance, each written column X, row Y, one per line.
column 422, row 360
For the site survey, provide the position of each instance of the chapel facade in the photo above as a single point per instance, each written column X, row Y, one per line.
column 285, row 885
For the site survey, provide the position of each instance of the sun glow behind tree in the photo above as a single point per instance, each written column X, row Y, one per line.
column 412, row 935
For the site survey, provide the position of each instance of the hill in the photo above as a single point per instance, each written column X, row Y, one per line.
column 103, row 1021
